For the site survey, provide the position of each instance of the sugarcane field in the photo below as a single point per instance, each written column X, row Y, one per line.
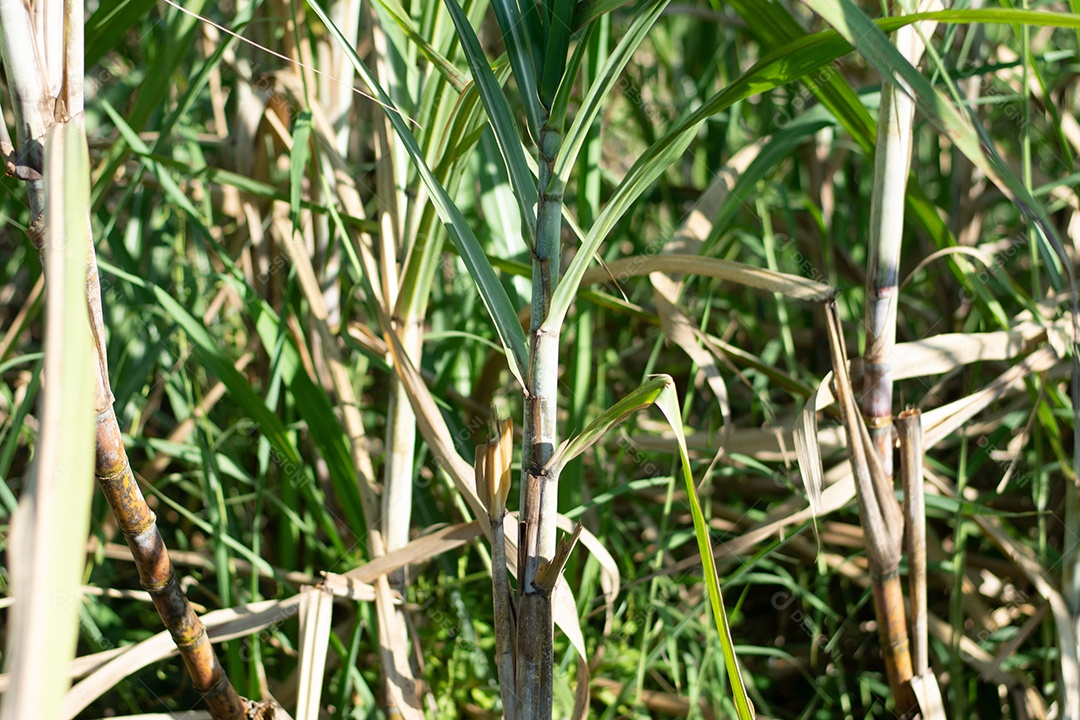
column 539, row 359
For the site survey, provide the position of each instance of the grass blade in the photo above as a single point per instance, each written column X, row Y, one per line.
column 668, row 402
column 493, row 293
column 502, row 120
column 644, row 396
column 660, row 391
column 872, row 43
column 556, row 46
column 518, row 36
column 600, row 89
column 780, row 67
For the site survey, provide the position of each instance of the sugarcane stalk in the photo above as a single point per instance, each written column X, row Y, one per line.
column 139, row 525
column 891, row 165
column 539, row 487
column 32, row 105
column 909, row 427
column 36, row 108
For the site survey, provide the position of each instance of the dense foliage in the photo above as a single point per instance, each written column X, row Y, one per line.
column 218, row 161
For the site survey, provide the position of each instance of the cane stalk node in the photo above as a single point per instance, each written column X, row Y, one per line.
column 261, row 711
column 878, row 421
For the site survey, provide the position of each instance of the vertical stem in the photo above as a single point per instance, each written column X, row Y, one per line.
column 401, row 419
column 886, row 231
column 544, row 375
column 540, row 489
column 892, row 630
column 882, row 526
column 1070, row 582
column 396, row 508
column 30, row 100
column 892, row 163
column 500, row 585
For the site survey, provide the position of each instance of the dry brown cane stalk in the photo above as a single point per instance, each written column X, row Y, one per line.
column 909, row 426
column 882, row 523
column 492, row 468
column 139, row 525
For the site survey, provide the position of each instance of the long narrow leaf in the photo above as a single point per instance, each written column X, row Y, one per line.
column 446, row 68
column 782, row 66
column 639, row 399
column 600, row 90
column 502, row 120
column 519, row 40
column 493, row 293
column 556, row 45
column 668, row 402
column 874, row 45
column 660, row 391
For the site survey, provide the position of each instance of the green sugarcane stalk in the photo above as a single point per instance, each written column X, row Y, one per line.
column 540, row 488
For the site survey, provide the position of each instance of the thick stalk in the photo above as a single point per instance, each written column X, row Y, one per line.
column 540, row 489
column 892, row 164
column 139, row 525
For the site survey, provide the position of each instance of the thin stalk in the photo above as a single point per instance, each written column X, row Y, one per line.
column 36, row 110
column 504, row 629
column 492, row 472
column 909, row 426
column 402, row 696
column 395, row 208
column 32, row 105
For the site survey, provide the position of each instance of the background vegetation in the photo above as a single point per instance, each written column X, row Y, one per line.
column 258, row 223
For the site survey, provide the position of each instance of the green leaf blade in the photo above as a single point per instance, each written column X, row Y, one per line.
column 491, row 290
column 501, row 117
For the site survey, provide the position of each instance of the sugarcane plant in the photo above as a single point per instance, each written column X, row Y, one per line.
column 537, row 37
column 43, row 56
column 904, row 91
column 537, row 40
